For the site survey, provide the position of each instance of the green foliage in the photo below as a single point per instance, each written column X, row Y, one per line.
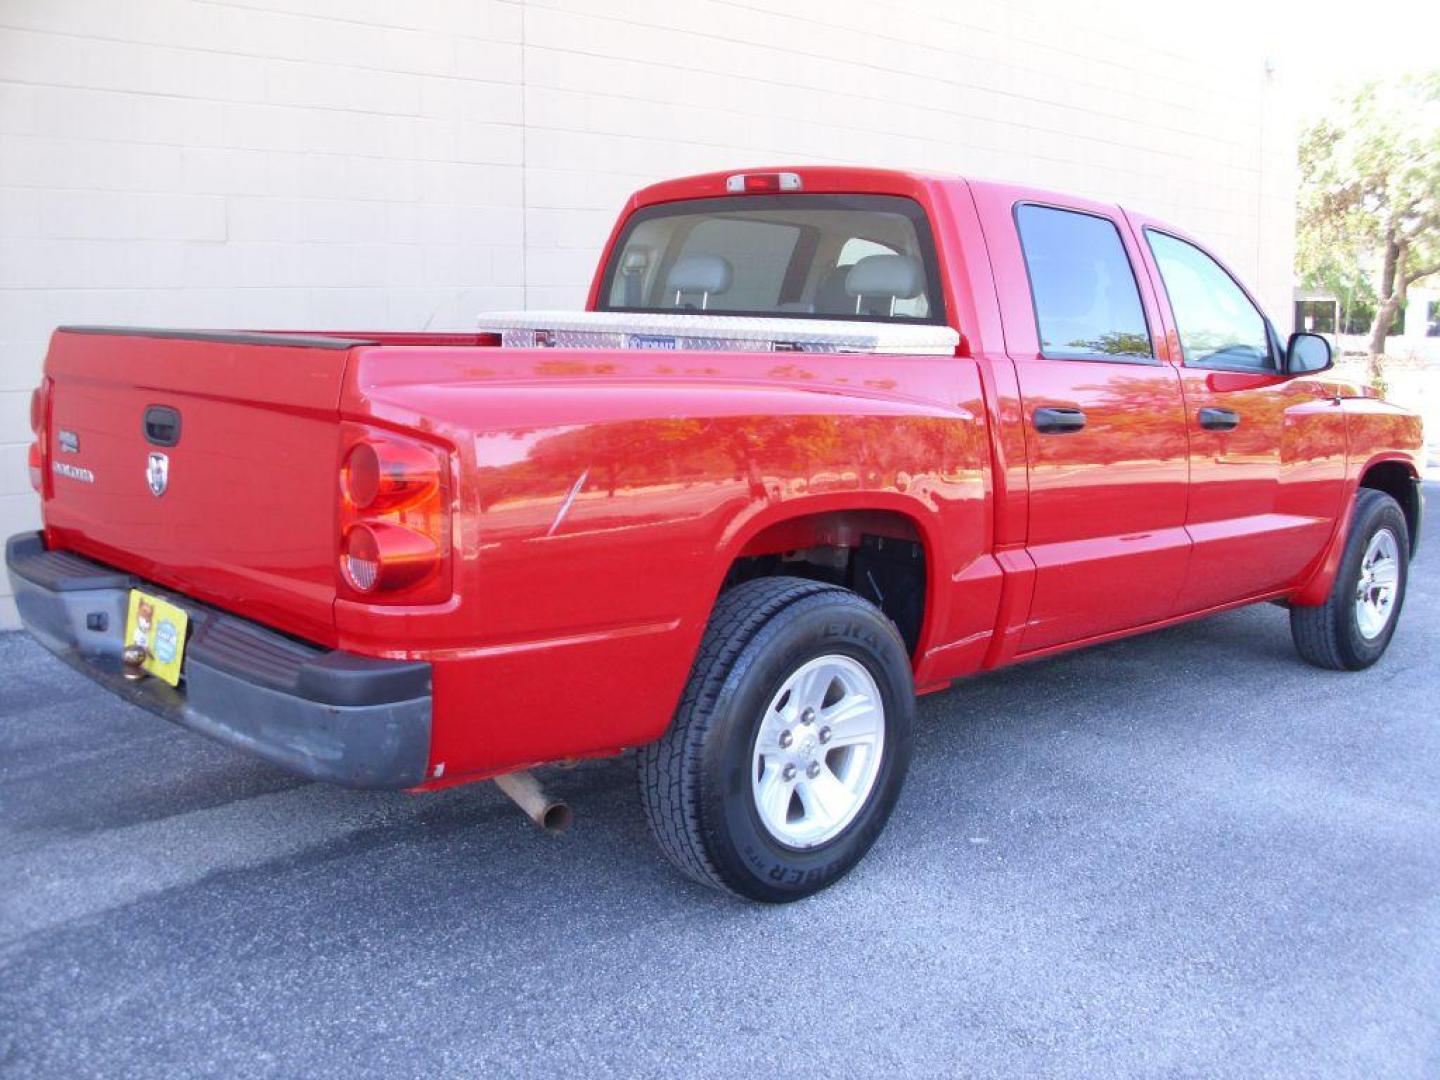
column 1115, row 343
column 1369, row 206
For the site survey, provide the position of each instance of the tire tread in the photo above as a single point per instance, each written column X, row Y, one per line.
column 1316, row 630
column 669, row 768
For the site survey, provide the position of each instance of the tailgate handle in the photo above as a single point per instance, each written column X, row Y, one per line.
column 162, row 425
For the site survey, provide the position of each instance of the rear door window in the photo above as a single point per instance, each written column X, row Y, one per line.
column 1087, row 303
column 857, row 248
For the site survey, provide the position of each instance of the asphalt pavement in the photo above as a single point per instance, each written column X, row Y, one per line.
column 1186, row 854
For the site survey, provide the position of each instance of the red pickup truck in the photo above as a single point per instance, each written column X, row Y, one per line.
column 822, row 439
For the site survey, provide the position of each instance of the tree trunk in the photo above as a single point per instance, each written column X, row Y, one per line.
column 1392, row 292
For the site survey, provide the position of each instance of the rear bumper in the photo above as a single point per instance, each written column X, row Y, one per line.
column 327, row 715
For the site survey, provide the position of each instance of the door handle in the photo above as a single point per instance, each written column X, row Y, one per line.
column 1058, row 421
column 1218, row 419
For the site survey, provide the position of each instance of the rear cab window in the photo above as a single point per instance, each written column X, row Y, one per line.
column 1087, row 302
column 866, row 257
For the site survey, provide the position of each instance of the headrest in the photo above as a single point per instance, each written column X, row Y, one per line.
column 700, row 274
column 830, row 295
column 899, row 276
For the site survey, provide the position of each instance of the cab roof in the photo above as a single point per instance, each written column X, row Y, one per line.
column 854, row 180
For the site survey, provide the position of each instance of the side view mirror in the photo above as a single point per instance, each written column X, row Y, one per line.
column 1307, row 354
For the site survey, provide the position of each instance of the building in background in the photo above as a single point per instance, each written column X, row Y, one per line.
column 376, row 164
column 1411, row 370
column 1414, row 334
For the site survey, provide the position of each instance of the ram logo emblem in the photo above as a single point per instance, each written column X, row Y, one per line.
column 157, row 474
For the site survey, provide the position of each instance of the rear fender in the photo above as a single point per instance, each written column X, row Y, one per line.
column 840, row 521
column 962, row 579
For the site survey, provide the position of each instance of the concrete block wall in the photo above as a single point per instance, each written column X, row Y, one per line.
column 368, row 163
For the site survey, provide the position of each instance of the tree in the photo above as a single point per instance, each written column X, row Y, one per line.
column 1370, row 199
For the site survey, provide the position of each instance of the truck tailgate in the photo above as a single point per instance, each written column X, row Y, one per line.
column 244, row 514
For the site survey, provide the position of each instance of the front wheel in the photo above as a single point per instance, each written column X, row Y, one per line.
column 1352, row 629
column 790, row 744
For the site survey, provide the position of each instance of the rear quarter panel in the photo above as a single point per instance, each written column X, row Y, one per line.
column 603, row 496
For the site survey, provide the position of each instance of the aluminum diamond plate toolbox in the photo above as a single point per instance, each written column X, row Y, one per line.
column 695, row 331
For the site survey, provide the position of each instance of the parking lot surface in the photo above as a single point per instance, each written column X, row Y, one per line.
column 1182, row 854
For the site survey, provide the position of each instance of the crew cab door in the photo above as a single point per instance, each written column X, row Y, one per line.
column 1104, row 420
column 1266, row 451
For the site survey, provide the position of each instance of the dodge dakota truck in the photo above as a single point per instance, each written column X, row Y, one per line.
column 823, row 439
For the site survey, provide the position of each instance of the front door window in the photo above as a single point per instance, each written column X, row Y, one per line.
column 1218, row 325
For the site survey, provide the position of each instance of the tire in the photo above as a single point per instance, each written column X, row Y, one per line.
column 1337, row 634
column 770, row 647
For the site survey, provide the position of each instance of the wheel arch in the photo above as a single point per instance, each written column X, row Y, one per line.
column 1398, row 478
column 778, row 541
column 1381, row 472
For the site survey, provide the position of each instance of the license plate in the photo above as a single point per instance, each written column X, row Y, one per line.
column 157, row 627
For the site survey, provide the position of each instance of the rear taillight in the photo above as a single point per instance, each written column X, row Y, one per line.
column 394, row 519
column 37, row 468
column 385, row 558
column 360, row 559
column 39, row 409
column 389, row 475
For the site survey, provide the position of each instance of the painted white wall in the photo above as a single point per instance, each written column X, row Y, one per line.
column 384, row 164
column 1417, row 315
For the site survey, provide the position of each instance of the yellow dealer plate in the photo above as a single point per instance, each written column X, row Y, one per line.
column 158, row 628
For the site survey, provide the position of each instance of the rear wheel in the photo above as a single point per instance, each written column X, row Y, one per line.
column 790, row 744
column 1352, row 629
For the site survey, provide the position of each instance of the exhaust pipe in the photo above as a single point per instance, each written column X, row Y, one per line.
column 550, row 814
